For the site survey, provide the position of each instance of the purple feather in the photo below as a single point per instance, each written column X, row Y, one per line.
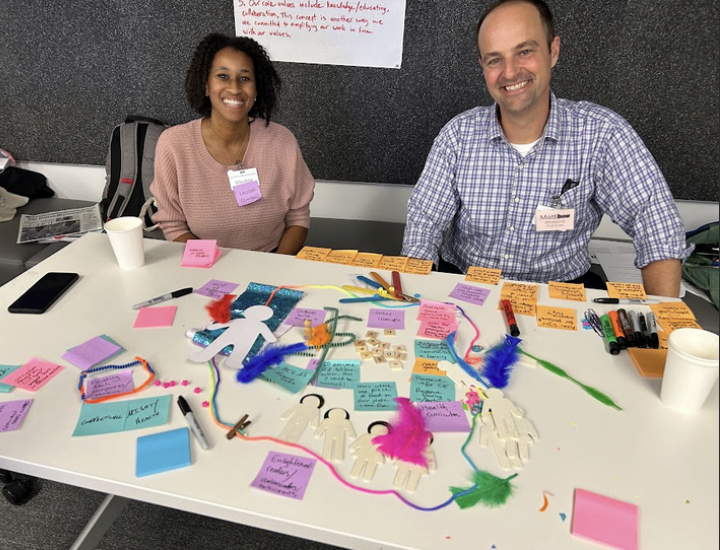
column 271, row 355
column 500, row 360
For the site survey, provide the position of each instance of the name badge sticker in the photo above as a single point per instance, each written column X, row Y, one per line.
column 245, row 184
column 554, row 219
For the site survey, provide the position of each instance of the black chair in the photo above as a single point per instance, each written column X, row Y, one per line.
column 15, row 490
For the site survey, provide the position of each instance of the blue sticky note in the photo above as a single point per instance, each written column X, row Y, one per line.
column 288, row 376
column 162, row 452
column 375, row 396
column 436, row 350
column 341, row 374
column 4, row 371
column 428, row 387
column 111, row 417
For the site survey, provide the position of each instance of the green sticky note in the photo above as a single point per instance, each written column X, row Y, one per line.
column 437, row 350
column 4, row 371
column 288, row 376
column 111, row 417
column 375, row 396
column 341, row 374
column 428, row 387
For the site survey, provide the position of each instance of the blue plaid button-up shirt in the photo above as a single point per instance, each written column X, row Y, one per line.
column 481, row 195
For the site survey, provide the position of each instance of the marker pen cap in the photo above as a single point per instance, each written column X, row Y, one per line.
column 617, row 329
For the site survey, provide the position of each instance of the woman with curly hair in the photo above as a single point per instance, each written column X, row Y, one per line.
column 229, row 176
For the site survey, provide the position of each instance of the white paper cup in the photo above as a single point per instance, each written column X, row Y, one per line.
column 126, row 238
column 691, row 368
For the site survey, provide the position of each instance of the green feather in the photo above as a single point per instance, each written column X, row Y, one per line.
column 487, row 490
column 597, row 394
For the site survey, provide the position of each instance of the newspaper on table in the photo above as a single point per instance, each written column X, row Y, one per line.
column 63, row 225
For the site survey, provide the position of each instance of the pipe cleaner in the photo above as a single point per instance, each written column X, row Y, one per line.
column 138, row 361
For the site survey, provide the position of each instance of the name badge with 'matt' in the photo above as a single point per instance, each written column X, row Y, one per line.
column 557, row 219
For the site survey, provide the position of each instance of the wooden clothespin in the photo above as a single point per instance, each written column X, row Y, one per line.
column 239, row 427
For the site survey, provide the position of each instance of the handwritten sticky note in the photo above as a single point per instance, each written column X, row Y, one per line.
column 162, row 451
column 313, row 253
column 289, row 376
column 155, row 317
column 444, row 416
column 216, row 289
column 298, row 315
column 436, row 311
column 247, row 193
column 634, row 291
column 91, row 353
column 566, row 291
column 470, row 294
column 424, row 387
column 285, row 475
column 427, row 366
column 483, row 275
column 672, row 310
column 200, row 253
column 605, row 520
column 375, row 396
column 367, row 259
column 437, row 350
column 437, row 329
column 340, row 374
column 393, row 263
column 33, row 375
column 4, row 371
column 649, row 362
column 342, row 257
column 104, row 386
column 12, row 414
column 386, row 318
column 523, row 297
column 563, row 318
column 668, row 325
column 416, row 266
column 118, row 416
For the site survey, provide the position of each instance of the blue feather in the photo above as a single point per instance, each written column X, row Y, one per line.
column 500, row 360
column 271, row 355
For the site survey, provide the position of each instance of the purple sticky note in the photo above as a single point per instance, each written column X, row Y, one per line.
column 91, row 353
column 247, row 193
column 298, row 315
column 12, row 414
column 444, row 416
column 605, row 520
column 216, row 289
column 120, row 382
column 312, row 365
column 285, row 475
column 386, row 318
column 471, row 294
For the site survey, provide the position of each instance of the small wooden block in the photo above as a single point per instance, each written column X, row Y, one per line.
column 389, row 332
column 389, row 354
column 395, row 365
column 366, row 356
column 378, row 358
column 401, row 349
column 371, row 334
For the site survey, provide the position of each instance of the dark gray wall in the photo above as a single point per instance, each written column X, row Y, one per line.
column 70, row 70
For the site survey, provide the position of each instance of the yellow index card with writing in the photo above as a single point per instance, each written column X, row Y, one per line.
column 367, row 259
column 563, row 318
column 632, row 291
column 313, row 253
column 418, row 267
column 672, row 310
column 393, row 263
column 344, row 257
column 522, row 297
column 427, row 366
column 484, row 275
column 567, row 291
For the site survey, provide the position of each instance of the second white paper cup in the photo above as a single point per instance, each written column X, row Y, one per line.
column 691, row 368
column 126, row 238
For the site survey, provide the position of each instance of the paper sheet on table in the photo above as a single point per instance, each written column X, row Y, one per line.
column 313, row 254
column 367, row 259
column 483, row 275
column 418, row 267
column 471, row 294
column 342, row 257
column 112, row 384
column 162, row 452
column 566, row 291
column 216, row 289
column 522, row 296
column 427, row 366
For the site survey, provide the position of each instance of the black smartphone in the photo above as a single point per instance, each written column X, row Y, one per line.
column 44, row 293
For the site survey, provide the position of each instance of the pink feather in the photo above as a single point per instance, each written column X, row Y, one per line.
column 407, row 439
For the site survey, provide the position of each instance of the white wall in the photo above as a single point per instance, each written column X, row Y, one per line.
column 333, row 199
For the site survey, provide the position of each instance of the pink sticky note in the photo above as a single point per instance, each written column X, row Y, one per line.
column 33, row 375
column 12, row 414
column 606, row 520
column 436, row 329
column 155, row 317
column 435, row 311
column 200, row 253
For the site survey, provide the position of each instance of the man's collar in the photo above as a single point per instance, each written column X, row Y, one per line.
column 552, row 127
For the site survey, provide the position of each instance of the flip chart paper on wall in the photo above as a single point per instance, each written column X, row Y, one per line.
column 359, row 34
column 91, row 353
column 200, row 253
column 375, row 396
column 285, row 475
column 122, row 416
column 155, row 317
column 33, row 375
column 162, row 452
column 12, row 414
column 216, row 289
column 444, row 416
column 606, row 520
column 4, row 371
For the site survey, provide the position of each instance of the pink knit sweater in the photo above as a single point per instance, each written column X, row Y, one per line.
column 193, row 191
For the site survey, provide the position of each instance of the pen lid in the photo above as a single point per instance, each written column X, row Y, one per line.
column 184, row 407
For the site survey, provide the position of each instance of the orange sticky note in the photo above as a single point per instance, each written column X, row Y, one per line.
column 668, row 325
column 649, row 362
column 418, row 267
column 563, row 318
column 343, row 257
column 567, row 291
column 367, row 259
column 313, row 253
column 633, row 291
column 427, row 366
column 484, row 275
column 393, row 263
column 672, row 310
column 200, row 253
column 523, row 297
column 155, row 317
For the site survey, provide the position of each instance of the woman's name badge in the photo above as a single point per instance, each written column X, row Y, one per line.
column 245, row 184
column 554, row 219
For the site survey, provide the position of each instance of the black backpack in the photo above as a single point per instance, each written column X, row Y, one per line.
column 130, row 169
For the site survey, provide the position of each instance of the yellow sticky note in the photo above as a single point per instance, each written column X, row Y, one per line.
column 567, row 291
column 344, row 257
column 393, row 263
column 484, row 275
column 563, row 318
column 672, row 310
column 668, row 325
column 427, row 366
column 418, row 267
column 367, row 259
column 522, row 297
column 632, row 291
column 313, row 253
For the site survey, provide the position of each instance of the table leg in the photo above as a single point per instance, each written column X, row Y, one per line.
column 101, row 521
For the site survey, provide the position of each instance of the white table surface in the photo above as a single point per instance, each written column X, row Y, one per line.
column 664, row 461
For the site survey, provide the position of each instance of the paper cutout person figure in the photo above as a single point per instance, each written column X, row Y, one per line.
column 241, row 334
column 334, row 427
column 505, row 429
column 408, row 475
column 455, row 373
column 367, row 456
column 299, row 416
